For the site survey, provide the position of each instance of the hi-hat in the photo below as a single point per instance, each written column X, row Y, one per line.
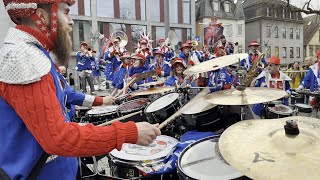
column 152, row 91
column 251, row 95
column 215, row 64
column 151, row 84
column 260, row 149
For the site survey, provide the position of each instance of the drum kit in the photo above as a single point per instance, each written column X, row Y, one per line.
column 251, row 149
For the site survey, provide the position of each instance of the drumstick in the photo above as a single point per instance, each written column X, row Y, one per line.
column 120, row 118
column 179, row 112
column 124, row 88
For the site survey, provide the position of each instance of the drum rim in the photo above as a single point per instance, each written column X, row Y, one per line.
column 297, row 105
column 177, row 99
column 104, row 113
column 282, row 113
column 133, row 109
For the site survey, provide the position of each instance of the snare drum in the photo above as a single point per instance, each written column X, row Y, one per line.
column 303, row 110
column 134, row 160
column 162, row 108
column 202, row 160
column 81, row 111
column 100, row 114
column 203, row 116
column 279, row 111
column 133, row 106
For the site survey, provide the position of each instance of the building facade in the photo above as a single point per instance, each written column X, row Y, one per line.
column 229, row 14
column 311, row 31
column 276, row 27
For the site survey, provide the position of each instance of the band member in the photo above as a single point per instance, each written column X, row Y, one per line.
column 84, row 61
column 96, row 69
column 223, row 79
column 219, row 50
column 122, row 74
column 145, row 48
column 138, row 67
column 161, row 66
column 166, row 49
column 185, row 54
column 178, row 65
column 44, row 126
column 206, row 55
column 272, row 78
column 112, row 58
column 253, row 55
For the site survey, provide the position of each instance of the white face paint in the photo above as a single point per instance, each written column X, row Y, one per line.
column 136, row 63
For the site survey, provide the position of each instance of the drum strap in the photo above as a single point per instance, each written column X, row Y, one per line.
column 37, row 168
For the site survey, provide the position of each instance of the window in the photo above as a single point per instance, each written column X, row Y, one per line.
column 240, row 28
column 179, row 33
column 298, row 14
column 297, row 33
column 290, row 15
column 83, row 33
column 311, row 51
column 116, row 27
column 298, row 52
column 268, row 33
column 143, row 9
column 319, row 35
column 276, row 51
column 216, row 6
column 268, row 54
column 127, row 9
column 268, row 11
column 284, row 52
column 227, row 7
column 189, row 34
column 74, row 9
column 186, row 11
column 284, row 32
column 239, row 49
column 276, row 30
column 317, row 48
column 87, row 7
column 275, row 13
column 155, row 11
column 283, row 13
column 135, row 35
column 160, row 33
column 105, row 8
column 228, row 30
column 173, row 8
column 291, row 52
column 290, row 33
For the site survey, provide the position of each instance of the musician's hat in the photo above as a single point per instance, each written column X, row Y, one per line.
column 178, row 60
column 253, row 43
column 125, row 55
column 274, row 60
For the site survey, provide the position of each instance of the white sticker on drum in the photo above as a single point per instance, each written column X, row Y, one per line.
column 162, row 102
column 102, row 109
column 160, row 148
column 198, row 106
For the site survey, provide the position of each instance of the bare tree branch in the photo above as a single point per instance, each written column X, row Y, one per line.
column 305, row 9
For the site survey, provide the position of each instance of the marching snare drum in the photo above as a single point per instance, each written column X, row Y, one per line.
column 303, row 110
column 203, row 116
column 279, row 111
column 162, row 108
column 134, row 160
column 133, row 106
column 202, row 160
column 81, row 111
column 101, row 114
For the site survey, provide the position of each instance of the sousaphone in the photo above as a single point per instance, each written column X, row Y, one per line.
column 122, row 36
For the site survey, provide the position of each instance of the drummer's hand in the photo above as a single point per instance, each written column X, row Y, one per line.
column 287, row 95
column 147, row 133
column 108, row 100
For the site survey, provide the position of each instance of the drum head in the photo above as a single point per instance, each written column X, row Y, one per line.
column 202, row 160
column 281, row 109
column 162, row 102
column 198, row 106
column 160, row 148
column 82, row 108
column 305, row 106
column 102, row 110
column 133, row 105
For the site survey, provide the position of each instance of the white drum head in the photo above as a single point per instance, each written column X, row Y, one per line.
column 162, row 102
column 160, row 148
column 281, row 109
column 203, row 161
column 305, row 106
column 198, row 106
column 102, row 110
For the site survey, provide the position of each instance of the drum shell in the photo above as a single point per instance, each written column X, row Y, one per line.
column 209, row 120
column 136, row 118
column 100, row 118
column 297, row 98
column 303, row 111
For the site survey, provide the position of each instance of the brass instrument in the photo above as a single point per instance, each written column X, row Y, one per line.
column 253, row 72
column 172, row 39
column 123, row 39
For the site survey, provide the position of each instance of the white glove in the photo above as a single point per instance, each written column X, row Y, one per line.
column 108, row 100
column 288, row 95
column 299, row 88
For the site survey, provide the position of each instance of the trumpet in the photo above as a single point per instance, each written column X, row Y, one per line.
column 194, row 44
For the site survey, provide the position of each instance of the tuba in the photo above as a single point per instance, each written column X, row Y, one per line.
column 172, row 39
column 123, row 39
column 253, row 72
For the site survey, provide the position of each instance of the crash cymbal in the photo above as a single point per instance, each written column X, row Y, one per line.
column 260, row 149
column 251, row 95
column 144, row 76
column 151, row 84
column 215, row 64
column 152, row 91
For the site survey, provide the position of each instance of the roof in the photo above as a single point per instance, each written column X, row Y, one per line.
column 310, row 27
column 204, row 8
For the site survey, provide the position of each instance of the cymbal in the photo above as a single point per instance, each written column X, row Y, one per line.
column 151, row 84
column 144, row 76
column 152, row 91
column 260, row 149
column 251, row 95
column 215, row 64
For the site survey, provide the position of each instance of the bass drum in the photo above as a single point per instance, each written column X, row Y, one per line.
column 203, row 116
column 202, row 160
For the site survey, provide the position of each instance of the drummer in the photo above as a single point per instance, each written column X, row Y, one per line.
column 272, row 78
column 122, row 73
column 223, row 79
column 177, row 77
column 160, row 65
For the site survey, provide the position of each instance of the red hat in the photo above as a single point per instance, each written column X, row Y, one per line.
column 140, row 57
column 274, row 60
column 178, row 60
column 161, row 40
column 83, row 44
column 143, row 41
column 318, row 54
column 158, row 52
column 254, row 43
column 126, row 54
column 185, row 45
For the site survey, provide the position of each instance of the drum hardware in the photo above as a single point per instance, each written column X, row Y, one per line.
column 269, row 148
